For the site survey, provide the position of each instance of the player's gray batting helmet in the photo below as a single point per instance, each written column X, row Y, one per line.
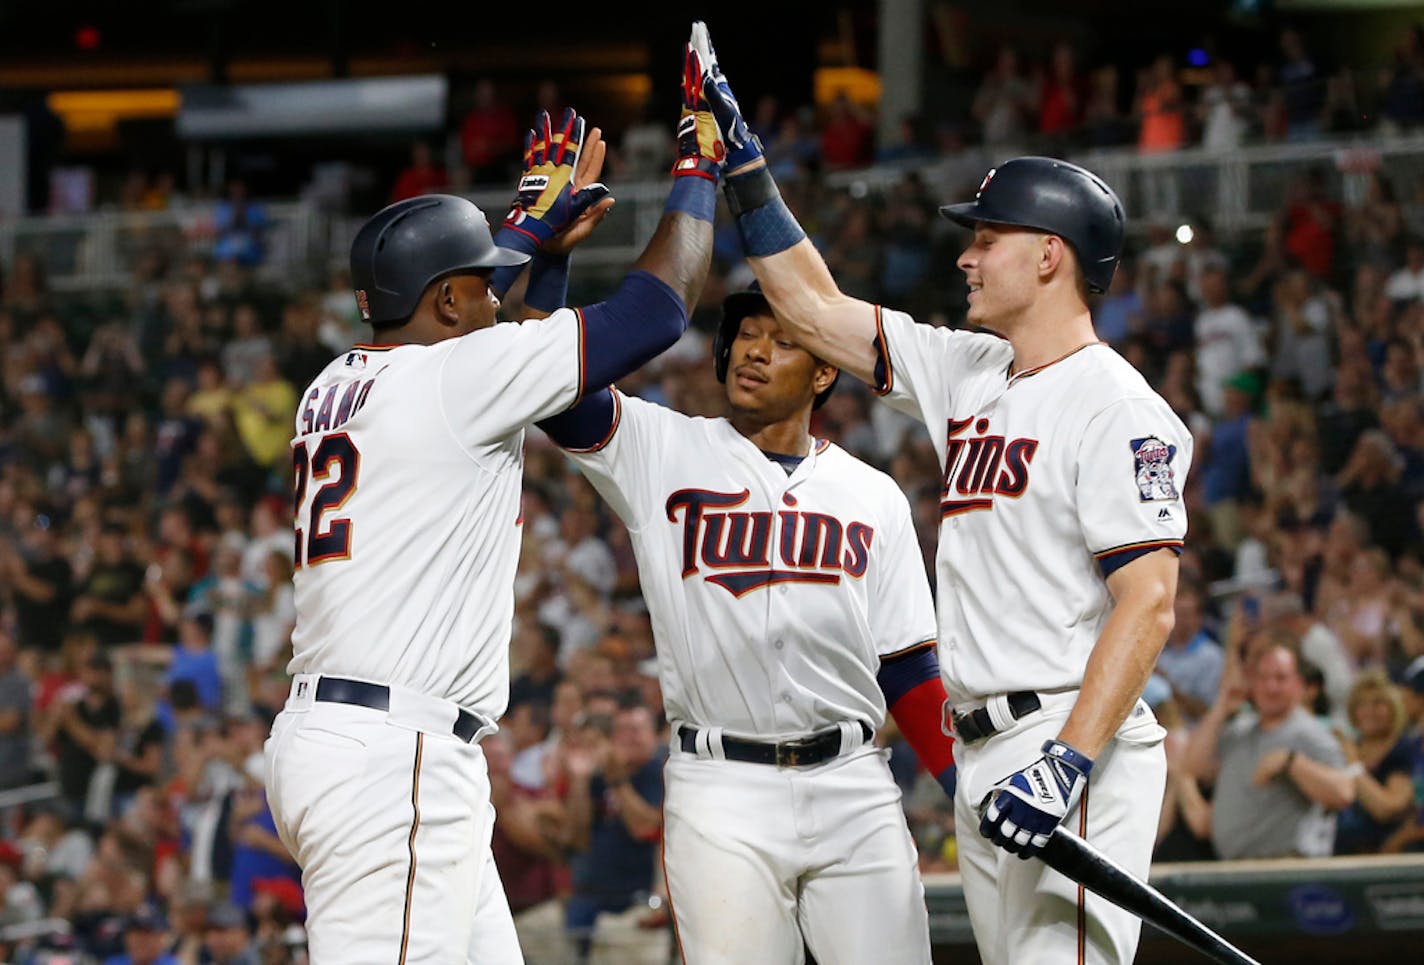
column 405, row 246
column 1057, row 197
column 735, row 307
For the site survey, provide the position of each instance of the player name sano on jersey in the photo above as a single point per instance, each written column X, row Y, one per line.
column 408, row 471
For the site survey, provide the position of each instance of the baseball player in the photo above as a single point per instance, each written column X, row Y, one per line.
column 1061, row 521
column 790, row 606
column 408, row 459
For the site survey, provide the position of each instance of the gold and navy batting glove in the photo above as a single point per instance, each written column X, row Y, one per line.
column 700, row 151
column 546, row 202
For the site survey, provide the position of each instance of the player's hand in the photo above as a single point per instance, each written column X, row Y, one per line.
column 1022, row 810
column 586, row 174
column 547, row 201
column 700, row 149
column 743, row 146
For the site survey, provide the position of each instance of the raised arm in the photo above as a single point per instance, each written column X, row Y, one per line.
column 826, row 322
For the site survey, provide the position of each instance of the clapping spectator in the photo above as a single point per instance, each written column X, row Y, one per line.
column 1380, row 761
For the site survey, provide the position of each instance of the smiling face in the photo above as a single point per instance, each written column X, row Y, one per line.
column 1004, row 266
column 769, row 376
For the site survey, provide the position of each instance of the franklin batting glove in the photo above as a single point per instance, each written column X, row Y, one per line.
column 700, row 151
column 1024, row 808
column 546, row 202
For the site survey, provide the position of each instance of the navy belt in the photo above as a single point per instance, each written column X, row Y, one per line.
column 977, row 724
column 341, row 690
column 801, row 752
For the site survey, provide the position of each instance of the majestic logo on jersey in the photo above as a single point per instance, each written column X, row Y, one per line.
column 736, row 546
column 978, row 467
column 1152, row 467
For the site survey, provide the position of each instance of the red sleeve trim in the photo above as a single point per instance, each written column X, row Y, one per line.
column 582, row 351
column 883, row 351
column 921, row 645
column 1137, row 547
column 617, row 418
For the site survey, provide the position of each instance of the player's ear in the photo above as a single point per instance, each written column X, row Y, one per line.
column 824, row 376
column 446, row 308
column 1052, row 254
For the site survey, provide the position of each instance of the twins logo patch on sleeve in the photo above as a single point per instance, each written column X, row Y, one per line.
column 1152, row 466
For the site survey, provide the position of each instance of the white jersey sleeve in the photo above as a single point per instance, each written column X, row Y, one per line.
column 1132, row 466
column 499, row 379
column 903, row 614
column 626, row 468
column 923, row 369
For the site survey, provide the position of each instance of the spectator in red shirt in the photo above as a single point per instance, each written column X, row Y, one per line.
column 421, row 177
column 846, row 138
column 1060, row 95
column 1309, row 222
column 489, row 135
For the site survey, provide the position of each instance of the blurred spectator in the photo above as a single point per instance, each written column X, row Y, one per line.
column 846, row 134
column 1276, row 772
column 1227, row 343
column 1406, row 283
column 615, row 812
column 226, row 938
column 1103, row 119
column 193, row 659
column 262, row 411
column 258, row 855
column 1161, row 111
column 145, row 937
column 110, row 602
column 1303, row 88
column 1003, row 101
column 240, row 224
column 15, row 702
column 421, row 176
column 1224, row 109
column 1303, row 326
column 83, row 721
column 1403, row 83
column 1060, row 96
column 489, row 135
column 1191, row 661
column 1309, row 222
column 39, row 579
column 1380, row 761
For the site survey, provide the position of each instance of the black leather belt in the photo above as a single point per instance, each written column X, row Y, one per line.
column 977, row 725
column 802, row 752
column 340, row 690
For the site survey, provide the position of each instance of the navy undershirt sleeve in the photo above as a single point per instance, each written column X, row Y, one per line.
column 587, row 425
column 638, row 322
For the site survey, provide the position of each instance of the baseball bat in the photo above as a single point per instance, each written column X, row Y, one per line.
column 1074, row 858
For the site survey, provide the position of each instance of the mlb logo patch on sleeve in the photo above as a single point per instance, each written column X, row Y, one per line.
column 1152, row 467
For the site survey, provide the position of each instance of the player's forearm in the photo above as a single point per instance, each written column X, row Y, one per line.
column 680, row 251
column 1126, row 652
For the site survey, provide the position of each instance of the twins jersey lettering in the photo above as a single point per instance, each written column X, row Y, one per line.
column 408, row 463
column 773, row 597
column 1047, row 477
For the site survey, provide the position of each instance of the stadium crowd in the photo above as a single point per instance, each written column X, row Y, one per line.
column 145, row 551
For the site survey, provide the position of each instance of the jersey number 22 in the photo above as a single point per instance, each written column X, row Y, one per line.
column 326, row 539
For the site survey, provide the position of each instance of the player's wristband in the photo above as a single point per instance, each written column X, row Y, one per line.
column 548, row 289
column 694, row 196
column 751, row 189
column 764, row 222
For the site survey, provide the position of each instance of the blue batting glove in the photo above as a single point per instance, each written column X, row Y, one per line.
column 742, row 145
column 1022, row 810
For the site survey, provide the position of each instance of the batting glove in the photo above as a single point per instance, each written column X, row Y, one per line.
column 742, row 145
column 700, row 150
column 1025, row 807
column 547, row 203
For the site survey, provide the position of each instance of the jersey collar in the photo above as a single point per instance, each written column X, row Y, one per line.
column 1015, row 377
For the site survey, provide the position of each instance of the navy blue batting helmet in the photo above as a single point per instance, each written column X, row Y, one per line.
column 1057, row 197
column 735, row 307
column 406, row 246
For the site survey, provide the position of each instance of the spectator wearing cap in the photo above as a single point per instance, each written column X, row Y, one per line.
column 1381, row 760
column 1191, row 661
column 145, row 940
column 227, row 940
column 40, row 581
column 1278, row 773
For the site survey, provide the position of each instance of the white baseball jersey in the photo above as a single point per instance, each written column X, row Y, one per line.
column 1046, row 475
column 409, row 462
column 772, row 597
